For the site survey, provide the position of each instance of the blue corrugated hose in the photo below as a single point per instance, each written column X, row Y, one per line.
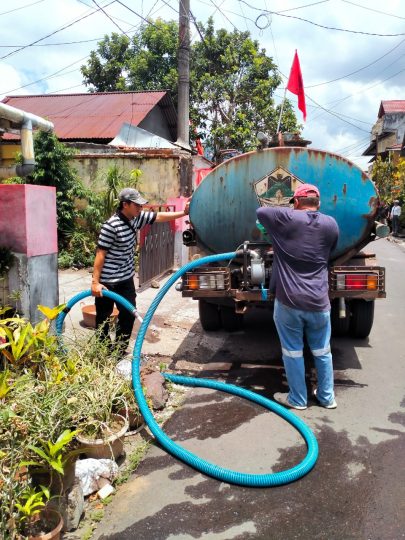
column 210, row 469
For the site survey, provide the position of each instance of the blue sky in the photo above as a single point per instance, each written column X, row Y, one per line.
column 352, row 54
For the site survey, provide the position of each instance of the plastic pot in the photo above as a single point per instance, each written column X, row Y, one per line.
column 111, row 446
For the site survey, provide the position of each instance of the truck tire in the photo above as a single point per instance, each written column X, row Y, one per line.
column 231, row 321
column 340, row 327
column 362, row 317
column 209, row 316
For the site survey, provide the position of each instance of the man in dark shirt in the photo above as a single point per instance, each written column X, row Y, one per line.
column 114, row 264
column 303, row 239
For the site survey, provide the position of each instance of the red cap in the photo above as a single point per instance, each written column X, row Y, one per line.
column 305, row 190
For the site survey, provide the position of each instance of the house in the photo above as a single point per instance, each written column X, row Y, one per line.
column 133, row 130
column 388, row 133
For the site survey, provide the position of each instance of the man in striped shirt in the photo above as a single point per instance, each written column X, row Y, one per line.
column 114, row 264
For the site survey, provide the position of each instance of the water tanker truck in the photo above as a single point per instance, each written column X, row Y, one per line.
column 223, row 220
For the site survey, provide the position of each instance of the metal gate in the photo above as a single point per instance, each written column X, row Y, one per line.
column 156, row 248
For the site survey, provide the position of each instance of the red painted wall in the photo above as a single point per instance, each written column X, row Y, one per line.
column 179, row 203
column 28, row 219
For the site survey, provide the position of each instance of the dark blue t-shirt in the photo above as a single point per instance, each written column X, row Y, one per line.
column 302, row 241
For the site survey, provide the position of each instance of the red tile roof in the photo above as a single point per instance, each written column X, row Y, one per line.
column 93, row 116
column 392, row 106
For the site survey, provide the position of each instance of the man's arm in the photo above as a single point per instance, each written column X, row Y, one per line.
column 163, row 217
column 96, row 286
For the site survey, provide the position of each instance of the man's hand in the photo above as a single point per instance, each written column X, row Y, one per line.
column 187, row 207
column 96, row 289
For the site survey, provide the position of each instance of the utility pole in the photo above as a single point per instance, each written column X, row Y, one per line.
column 184, row 75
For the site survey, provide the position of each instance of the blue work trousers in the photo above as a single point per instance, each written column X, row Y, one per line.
column 292, row 325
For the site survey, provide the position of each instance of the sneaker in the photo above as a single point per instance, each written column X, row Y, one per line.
column 283, row 399
column 331, row 405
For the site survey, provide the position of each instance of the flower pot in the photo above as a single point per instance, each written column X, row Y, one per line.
column 89, row 315
column 134, row 417
column 111, row 446
column 48, row 525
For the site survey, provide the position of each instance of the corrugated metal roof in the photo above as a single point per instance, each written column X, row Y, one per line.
column 391, row 106
column 94, row 116
column 136, row 137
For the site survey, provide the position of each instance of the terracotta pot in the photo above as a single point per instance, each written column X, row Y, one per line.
column 110, row 446
column 51, row 521
column 89, row 315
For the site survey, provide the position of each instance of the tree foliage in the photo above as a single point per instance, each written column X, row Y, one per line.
column 389, row 177
column 382, row 176
column 232, row 80
column 54, row 169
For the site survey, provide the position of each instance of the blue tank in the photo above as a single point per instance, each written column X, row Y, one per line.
column 223, row 207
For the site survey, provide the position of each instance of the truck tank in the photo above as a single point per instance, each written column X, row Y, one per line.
column 223, row 207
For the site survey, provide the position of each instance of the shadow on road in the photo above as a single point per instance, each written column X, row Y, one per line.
column 252, row 357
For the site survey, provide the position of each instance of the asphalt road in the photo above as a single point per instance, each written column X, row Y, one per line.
column 357, row 488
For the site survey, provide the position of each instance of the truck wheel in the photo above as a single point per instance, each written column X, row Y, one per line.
column 340, row 327
column 209, row 316
column 362, row 317
column 231, row 321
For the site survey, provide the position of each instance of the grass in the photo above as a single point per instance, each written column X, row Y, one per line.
column 133, row 462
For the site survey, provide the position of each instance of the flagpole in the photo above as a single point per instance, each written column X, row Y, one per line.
column 281, row 111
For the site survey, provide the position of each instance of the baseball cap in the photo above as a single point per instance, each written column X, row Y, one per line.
column 305, row 190
column 131, row 195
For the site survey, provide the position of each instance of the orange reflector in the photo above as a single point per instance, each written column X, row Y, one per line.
column 372, row 282
column 193, row 282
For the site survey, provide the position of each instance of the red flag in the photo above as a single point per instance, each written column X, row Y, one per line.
column 199, row 146
column 296, row 85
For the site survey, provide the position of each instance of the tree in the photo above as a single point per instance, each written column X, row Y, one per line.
column 54, row 169
column 382, row 176
column 147, row 62
column 232, row 81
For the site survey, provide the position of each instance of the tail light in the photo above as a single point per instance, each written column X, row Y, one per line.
column 207, row 279
column 357, row 281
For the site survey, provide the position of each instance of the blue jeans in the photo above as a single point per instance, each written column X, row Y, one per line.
column 292, row 325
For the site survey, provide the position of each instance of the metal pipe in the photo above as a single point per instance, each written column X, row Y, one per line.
column 27, row 143
column 20, row 117
column 26, row 122
column 381, row 230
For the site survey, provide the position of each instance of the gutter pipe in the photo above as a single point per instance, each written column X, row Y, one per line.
column 25, row 122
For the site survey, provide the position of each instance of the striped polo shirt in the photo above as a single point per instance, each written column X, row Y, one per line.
column 118, row 238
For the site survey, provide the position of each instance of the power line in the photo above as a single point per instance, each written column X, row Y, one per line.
column 281, row 14
column 375, row 10
column 52, row 33
column 48, row 76
column 223, row 14
column 289, row 9
column 22, row 7
column 360, row 69
column 53, row 44
column 135, row 13
column 112, row 20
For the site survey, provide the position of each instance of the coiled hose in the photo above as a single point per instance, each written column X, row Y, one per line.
column 210, row 469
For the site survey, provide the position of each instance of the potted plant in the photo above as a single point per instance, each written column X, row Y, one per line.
column 56, row 466
column 102, row 430
column 36, row 520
